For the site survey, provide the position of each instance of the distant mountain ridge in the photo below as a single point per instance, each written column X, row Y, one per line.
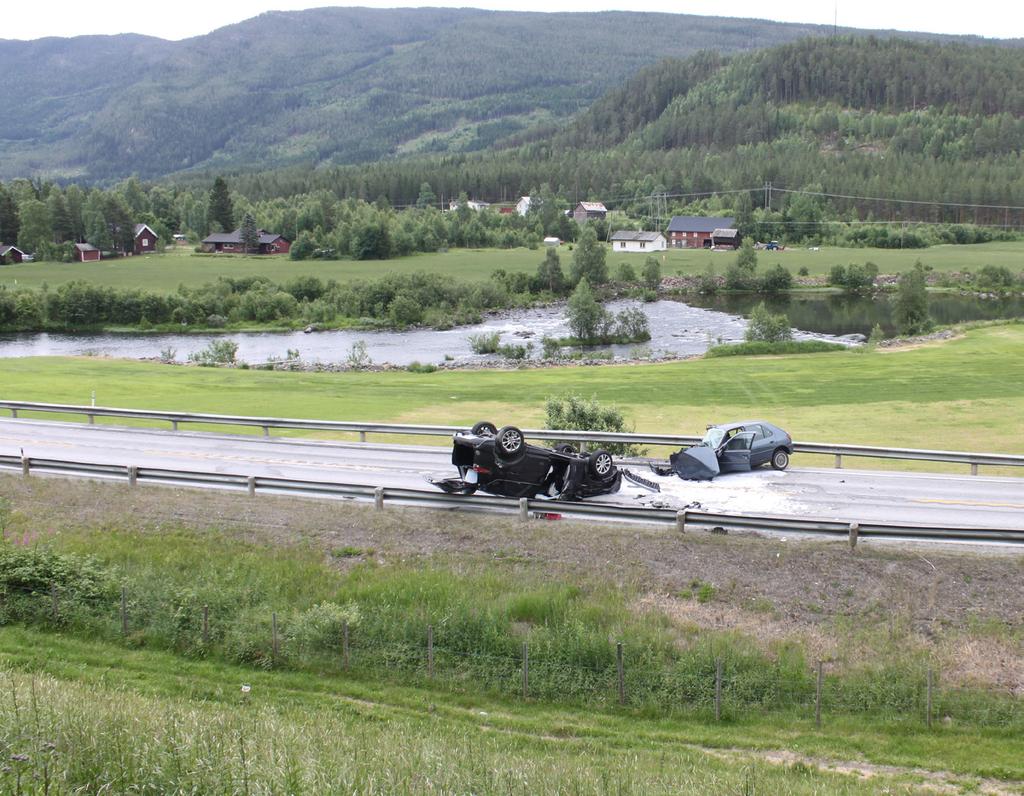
column 329, row 86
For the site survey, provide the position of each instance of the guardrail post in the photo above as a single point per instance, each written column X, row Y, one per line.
column 133, row 475
column 839, row 461
column 174, row 425
column 378, row 498
column 362, row 436
column 681, row 521
column 251, row 483
column 25, row 466
column 524, row 509
column 14, row 413
column 974, row 468
column 266, row 431
column 854, row 533
column 583, row 446
column 92, row 419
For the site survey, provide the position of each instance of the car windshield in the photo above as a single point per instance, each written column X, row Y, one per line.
column 713, row 438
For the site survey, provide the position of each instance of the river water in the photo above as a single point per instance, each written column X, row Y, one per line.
column 676, row 329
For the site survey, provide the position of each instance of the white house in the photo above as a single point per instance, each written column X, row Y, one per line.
column 523, row 205
column 472, row 204
column 627, row 240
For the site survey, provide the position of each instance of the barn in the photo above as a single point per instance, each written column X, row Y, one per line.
column 87, row 253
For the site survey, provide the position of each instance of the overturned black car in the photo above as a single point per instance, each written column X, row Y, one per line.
column 500, row 462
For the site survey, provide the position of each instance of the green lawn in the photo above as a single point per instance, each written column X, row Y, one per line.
column 965, row 394
column 165, row 272
column 85, row 716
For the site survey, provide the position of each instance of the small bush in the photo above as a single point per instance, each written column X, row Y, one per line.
column 485, row 342
column 767, row 327
column 218, row 352
column 550, row 347
column 515, row 351
column 573, row 411
column 358, row 358
column 417, row 367
column 625, row 273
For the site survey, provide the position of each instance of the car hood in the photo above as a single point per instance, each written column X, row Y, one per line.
column 698, row 463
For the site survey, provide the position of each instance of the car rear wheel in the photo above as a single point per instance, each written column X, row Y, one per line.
column 600, row 464
column 565, row 447
column 780, row 459
column 484, row 429
column 508, row 443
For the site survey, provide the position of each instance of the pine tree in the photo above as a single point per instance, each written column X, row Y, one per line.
column 221, row 212
column 249, row 234
column 10, row 221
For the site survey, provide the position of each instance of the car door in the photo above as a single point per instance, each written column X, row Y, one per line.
column 761, row 447
column 736, row 453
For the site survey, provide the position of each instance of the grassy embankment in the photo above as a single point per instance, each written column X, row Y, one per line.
column 94, row 712
column 964, row 394
column 165, row 272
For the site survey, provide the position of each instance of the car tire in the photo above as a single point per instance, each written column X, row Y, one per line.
column 780, row 459
column 600, row 464
column 565, row 447
column 484, row 429
column 508, row 443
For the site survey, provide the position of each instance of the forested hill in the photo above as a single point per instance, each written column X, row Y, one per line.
column 333, row 85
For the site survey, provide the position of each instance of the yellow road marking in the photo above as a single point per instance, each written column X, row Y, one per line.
column 970, row 503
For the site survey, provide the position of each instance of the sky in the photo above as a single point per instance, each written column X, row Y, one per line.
column 185, row 18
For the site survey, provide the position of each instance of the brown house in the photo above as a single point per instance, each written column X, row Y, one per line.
column 231, row 242
column 695, row 232
column 145, row 239
column 10, row 254
column 589, row 211
column 86, row 252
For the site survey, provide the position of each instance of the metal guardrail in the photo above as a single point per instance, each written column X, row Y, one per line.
column 682, row 521
column 583, row 437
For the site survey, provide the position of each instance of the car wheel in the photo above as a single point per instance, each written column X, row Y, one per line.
column 565, row 447
column 468, row 489
column 600, row 464
column 484, row 429
column 508, row 443
column 780, row 459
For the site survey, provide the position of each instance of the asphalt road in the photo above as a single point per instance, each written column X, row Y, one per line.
column 849, row 495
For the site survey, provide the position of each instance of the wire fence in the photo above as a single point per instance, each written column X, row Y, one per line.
column 725, row 686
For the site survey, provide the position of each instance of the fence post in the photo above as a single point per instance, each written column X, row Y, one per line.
column 273, row 630
column 206, row 624
column 133, row 475
column 430, row 651
column 817, row 697
column 378, row 498
column 124, row 611
column 621, row 673
column 839, row 461
column 931, row 680
column 524, row 509
column 681, row 521
column 53, row 602
column 344, row 645
column 854, row 533
column 25, row 466
column 251, row 483
column 718, row 689
column 526, row 671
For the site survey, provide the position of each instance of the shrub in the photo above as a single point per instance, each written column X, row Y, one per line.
column 651, row 273
column 776, row 280
column 625, row 273
column 515, row 351
column 803, row 271
column 417, row 367
column 485, row 342
column 632, row 326
column 405, row 311
column 854, row 278
column 218, row 352
column 216, row 321
column 994, row 277
column 358, row 358
column 764, row 349
column 550, row 347
column 911, row 308
column 767, row 327
column 573, row 411
column 320, row 628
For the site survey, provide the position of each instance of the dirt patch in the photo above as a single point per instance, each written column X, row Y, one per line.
column 963, row 606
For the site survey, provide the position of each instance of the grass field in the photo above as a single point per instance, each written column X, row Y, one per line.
column 964, row 394
column 84, row 716
column 165, row 272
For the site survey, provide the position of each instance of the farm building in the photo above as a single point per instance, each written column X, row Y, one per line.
column 694, row 232
column 10, row 254
column 627, row 240
column 87, row 253
column 231, row 242
column 523, row 205
column 589, row 211
column 145, row 239
column 725, row 239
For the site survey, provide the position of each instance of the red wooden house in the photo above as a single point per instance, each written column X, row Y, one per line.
column 269, row 243
column 145, row 239
column 86, row 252
column 10, row 254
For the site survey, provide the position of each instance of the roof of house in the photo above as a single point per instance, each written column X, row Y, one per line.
column 725, row 233
column 236, row 237
column 629, row 234
column 140, row 227
column 700, row 223
column 86, row 247
column 4, row 248
column 593, row 207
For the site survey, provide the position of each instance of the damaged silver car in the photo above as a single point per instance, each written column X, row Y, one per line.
column 732, row 448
